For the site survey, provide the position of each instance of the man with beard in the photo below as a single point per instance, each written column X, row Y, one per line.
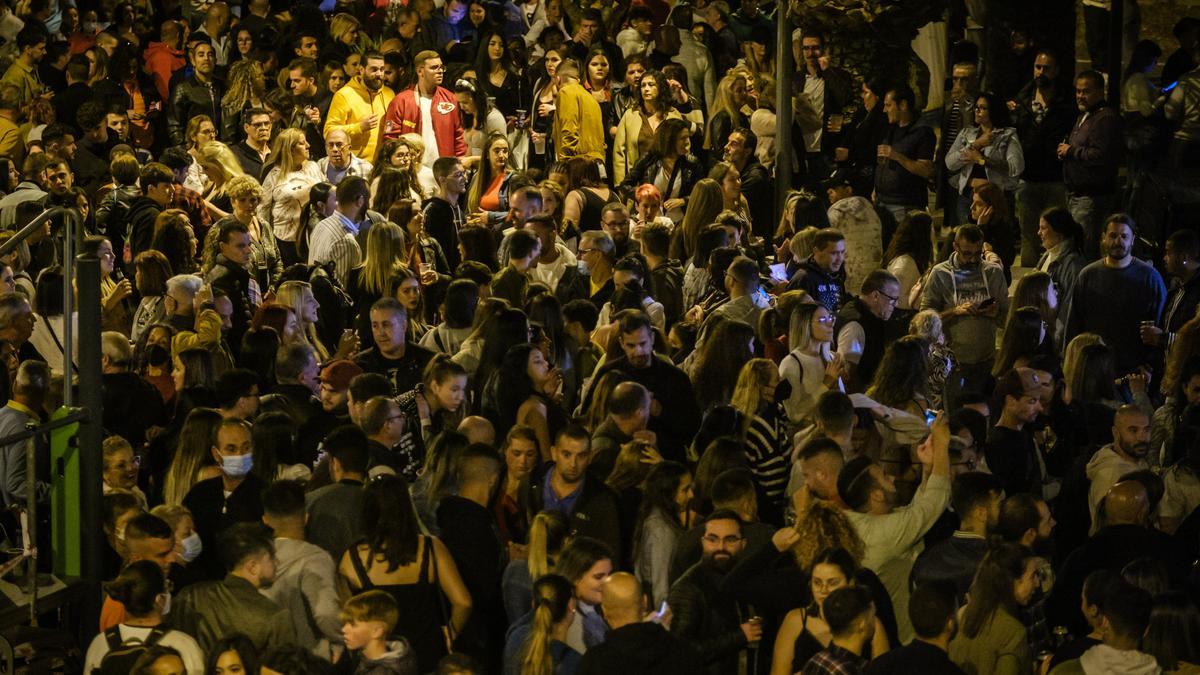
column 972, row 295
column 198, row 94
column 564, row 485
column 893, row 536
column 976, row 498
column 358, row 107
column 934, row 615
column 214, row 610
column 1090, row 157
column 714, row 622
column 1116, row 294
column 1011, row 453
column 1126, row 453
column 673, row 409
column 428, row 109
column 867, row 324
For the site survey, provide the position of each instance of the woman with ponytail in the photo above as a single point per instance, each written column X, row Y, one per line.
column 547, row 535
column 544, row 650
column 142, row 589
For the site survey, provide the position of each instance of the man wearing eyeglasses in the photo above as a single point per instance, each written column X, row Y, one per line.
column 867, row 324
column 428, row 109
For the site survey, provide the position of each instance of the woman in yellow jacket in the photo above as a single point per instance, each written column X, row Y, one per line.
column 635, row 132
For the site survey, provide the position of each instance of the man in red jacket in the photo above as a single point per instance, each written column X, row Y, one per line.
column 428, row 109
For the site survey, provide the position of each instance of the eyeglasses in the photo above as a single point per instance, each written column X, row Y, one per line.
column 585, row 251
column 827, row 319
column 891, row 299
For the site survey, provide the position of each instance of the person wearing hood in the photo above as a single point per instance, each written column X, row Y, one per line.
column 637, row 642
column 856, row 218
column 367, row 621
column 305, row 576
column 1126, row 454
column 233, row 497
column 823, row 276
column 972, row 296
column 1124, row 617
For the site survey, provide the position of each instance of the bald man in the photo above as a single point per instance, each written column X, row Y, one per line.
column 628, row 416
column 478, row 430
column 635, row 646
column 1127, row 453
column 1125, row 536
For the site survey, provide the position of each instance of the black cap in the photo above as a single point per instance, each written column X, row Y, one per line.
column 839, row 178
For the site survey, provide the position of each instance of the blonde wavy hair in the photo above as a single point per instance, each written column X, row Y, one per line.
column 822, row 525
column 747, row 394
column 383, row 258
column 217, row 155
column 284, row 151
column 244, row 85
column 724, row 102
column 243, row 187
column 293, row 295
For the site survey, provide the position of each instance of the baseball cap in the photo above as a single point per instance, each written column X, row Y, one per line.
column 839, row 178
column 337, row 374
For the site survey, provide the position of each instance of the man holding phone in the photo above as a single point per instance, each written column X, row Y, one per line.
column 972, row 296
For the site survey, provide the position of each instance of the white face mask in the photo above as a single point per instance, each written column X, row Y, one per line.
column 237, row 466
column 192, row 547
column 583, row 267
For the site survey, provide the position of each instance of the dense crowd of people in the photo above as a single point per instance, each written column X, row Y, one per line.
column 467, row 336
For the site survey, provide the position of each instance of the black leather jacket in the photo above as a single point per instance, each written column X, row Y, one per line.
column 188, row 99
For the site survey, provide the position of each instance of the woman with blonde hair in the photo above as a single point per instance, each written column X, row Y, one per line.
column 200, row 130
column 726, row 112
column 398, row 175
column 220, row 166
column 811, row 367
column 548, row 534
column 193, row 460
column 265, row 264
column 298, row 296
column 245, row 88
column 1071, row 357
column 343, row 31
column 927, row 325
column 706, row 201
column 285, row 190
column 764, row 428
column 545, row 651
column 372, row 279
column 425, row 184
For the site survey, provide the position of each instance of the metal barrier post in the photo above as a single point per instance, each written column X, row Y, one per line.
column 91, row 398
column 30, row 525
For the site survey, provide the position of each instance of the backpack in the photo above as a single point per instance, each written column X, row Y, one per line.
column 122, row 655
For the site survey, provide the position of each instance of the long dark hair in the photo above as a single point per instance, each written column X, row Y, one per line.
column 509, row 328
column 725, row 350
column 274, row 437
column 389, row 522
column 839, row 558
column 1022, row 338
column 510, row 386
column 546, row 311
column 1173, row 635
column 479, row 245
column 993, row 589
column 239, row 643
column 997, row 110
column 902, row 373
column 658, row 494
column 912, row 237
column 1062, row 222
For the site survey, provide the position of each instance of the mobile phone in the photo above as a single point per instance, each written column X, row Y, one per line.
column 662, row 610
column 987, row 303
column 779, row 272
column 930, row 416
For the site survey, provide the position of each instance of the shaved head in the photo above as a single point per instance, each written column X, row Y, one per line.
column 1126, row 504
column 478, row 430
column 621, row 598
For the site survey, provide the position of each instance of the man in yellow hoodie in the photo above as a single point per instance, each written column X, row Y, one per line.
column 358, row 107
column 578, row 122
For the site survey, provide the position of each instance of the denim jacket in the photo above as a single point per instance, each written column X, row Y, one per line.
column 1005, row 148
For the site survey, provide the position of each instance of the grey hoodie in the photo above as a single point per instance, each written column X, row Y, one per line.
column 399, row 660
column 973, row 338
column 1104, row 469
column 1105, row 660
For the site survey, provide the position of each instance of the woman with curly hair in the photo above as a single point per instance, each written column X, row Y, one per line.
column 245, row 88
column 520, row 392
column 909, row 255
column 900, row 380
column 635, row 134
column 265, row 263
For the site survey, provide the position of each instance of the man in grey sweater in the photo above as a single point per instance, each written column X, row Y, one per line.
column 972, row 296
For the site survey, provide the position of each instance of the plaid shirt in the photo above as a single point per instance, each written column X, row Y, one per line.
column 833, row 660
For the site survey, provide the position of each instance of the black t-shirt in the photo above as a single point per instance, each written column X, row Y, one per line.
column 893, row 183
column 1010, row 457
column 404, row 373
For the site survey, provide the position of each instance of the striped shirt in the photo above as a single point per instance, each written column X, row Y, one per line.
column 334, row 239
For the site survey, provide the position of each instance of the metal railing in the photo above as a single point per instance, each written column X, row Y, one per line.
column 81, row 292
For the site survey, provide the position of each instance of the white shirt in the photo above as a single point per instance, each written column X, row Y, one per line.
column 814, row 90
column 193, row 657
column 427, row 133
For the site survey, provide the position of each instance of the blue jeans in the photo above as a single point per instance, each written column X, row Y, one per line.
column 1090, row 211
